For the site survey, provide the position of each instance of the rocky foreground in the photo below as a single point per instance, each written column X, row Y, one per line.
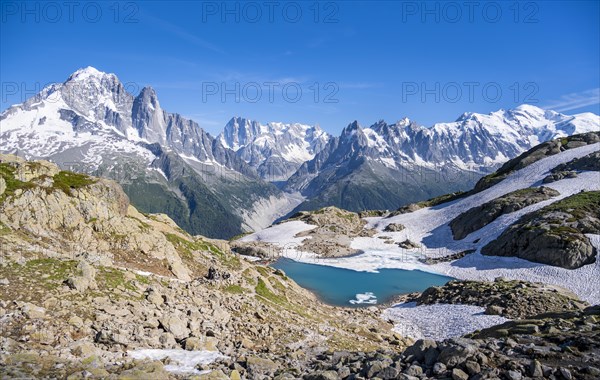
column 551, row 346
column 87, row 281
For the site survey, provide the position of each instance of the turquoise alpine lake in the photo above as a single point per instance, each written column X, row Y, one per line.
column 344, row 287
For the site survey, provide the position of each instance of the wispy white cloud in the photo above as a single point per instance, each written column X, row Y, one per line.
column 575, row 100
column 245, row 77
column 230, row 78
column 183, row 34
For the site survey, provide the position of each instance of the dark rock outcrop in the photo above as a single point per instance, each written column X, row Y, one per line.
column 591, row 162
column 555, row 234
column 479, row 217
column 394, row 227
column 535, row 154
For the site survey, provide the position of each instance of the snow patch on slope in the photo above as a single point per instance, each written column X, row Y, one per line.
column 282, row 235
column 266, row 210
column 439, row 321
column 429, row 227
column 181, row 361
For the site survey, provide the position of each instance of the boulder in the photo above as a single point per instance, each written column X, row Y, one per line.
column 439, row 368
column 459, row 374
column 78, row 283
column 175, row 325
column 388, row 373
column 420, row 349
column 258, row 367
column 83, row 349
column 535, row 369
column 408, row 244
column 414, row 370
column 323, row 375
column 456, row 353
column 394, row 227
column 155, row 298
column 555, row 234
column 32, row 311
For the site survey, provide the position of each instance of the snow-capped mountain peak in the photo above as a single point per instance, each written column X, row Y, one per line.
column 92, row 112
column 353, row 129
column 474, row 143
column 91, row 118
column 275, row 149
column 87, row 73
column 239, row 132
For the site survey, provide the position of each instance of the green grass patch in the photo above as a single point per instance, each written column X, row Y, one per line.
column 142, row 279
column 579, row 205
column 277, row 285
column 7, row 172
column 263, row 291
column 47, row 273
column 563, row 230
column 247, row 275
column 4, row 230
column 57, row 269
column 234, row 289
column 143, row 225
column 281, row 274
column 239, row 236
column 66, row 181
column 112, row 278
column 347, row 216
column 264, row 271
column 442, row 199
column 187, row 247
column 183, row 246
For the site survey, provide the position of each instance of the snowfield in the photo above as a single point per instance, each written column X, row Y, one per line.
column 429, row 227
column 181, row 361
column 439, row 321
column 282, row 235
column 266, row 210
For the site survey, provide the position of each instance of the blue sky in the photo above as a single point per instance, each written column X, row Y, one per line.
column 352, row 60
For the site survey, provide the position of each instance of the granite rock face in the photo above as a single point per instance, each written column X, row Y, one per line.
column 555, row 234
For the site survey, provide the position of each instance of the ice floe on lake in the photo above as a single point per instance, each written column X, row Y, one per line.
column 364, row 298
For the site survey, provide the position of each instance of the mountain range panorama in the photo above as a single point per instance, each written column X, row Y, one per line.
column 252, row 173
